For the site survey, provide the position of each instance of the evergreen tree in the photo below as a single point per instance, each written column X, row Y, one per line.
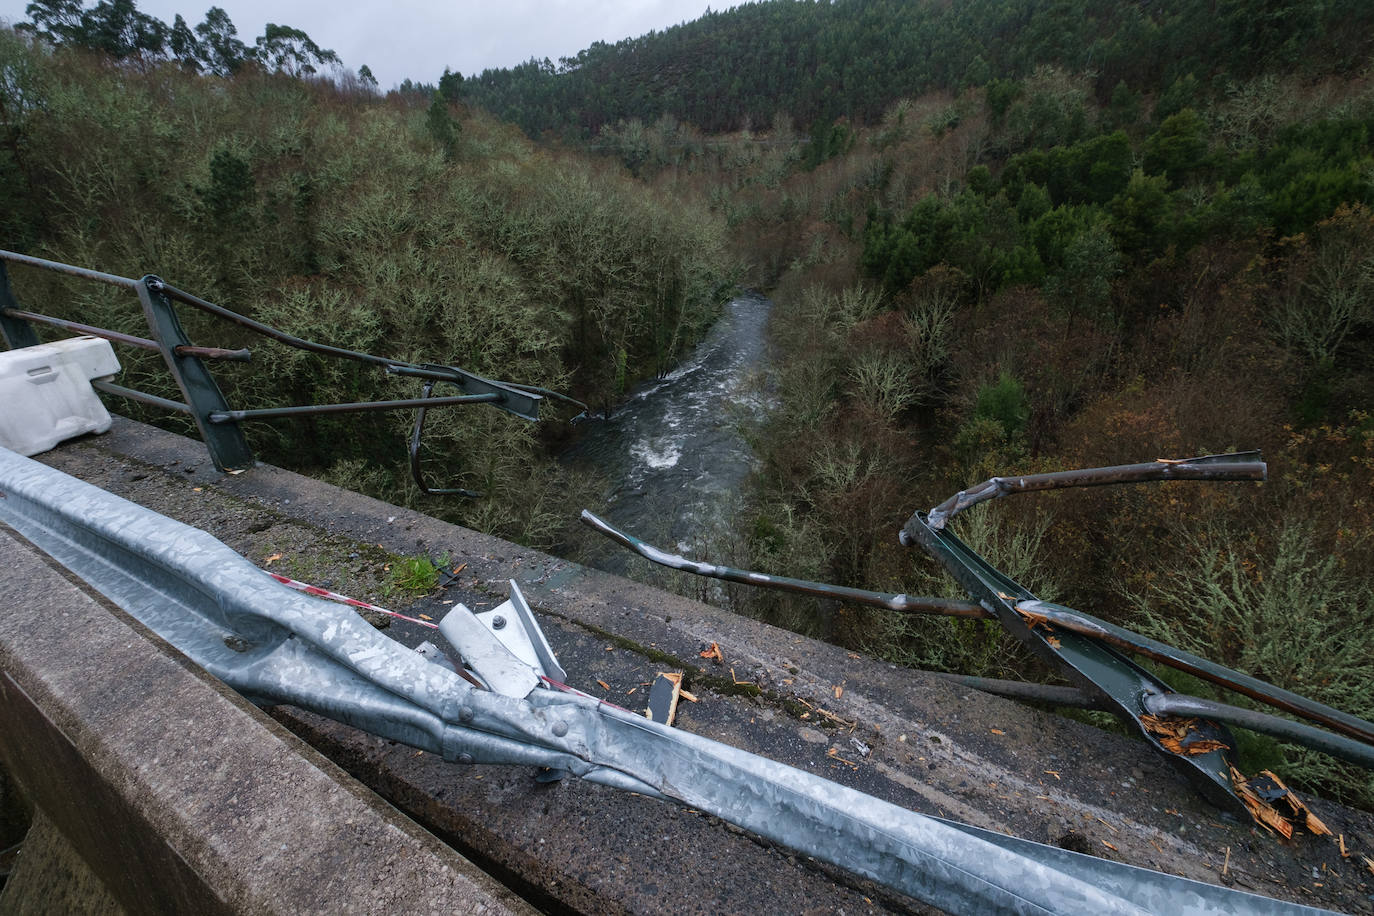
column 184, row 45
column 451, row 85
column 282, row 49
column 224, row 53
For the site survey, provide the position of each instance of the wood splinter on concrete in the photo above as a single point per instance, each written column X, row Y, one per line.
column 663, row 697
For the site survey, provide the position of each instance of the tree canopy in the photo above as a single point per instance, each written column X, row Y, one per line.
column 119, row 29
column 819, row 61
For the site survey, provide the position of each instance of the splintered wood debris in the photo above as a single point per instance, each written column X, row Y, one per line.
column 1031, row 619
column 715, row 653
column 1257, row 792
column 1181, row 736
column 834, row 754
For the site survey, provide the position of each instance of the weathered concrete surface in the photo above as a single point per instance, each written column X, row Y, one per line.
column 933, row 747
column 179, row 795
column 53, row 879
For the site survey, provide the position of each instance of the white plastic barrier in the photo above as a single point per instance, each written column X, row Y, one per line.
column 46, row 394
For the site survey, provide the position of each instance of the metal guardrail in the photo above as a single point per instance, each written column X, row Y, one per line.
column 205, row 403
column 1093, row 653
column 277, row 645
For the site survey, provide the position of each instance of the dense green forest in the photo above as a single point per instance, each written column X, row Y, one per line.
column 819, row 61
column 1001, row 238
column 1062, row 262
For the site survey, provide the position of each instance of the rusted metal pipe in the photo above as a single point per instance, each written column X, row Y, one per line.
column 143, row 343
column 1235, row 466
column 241, row 355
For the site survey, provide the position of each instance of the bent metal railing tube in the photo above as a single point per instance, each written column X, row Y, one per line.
column 1052, row 617
column 908, row 604
column 1237, row 466
column 1087, row 649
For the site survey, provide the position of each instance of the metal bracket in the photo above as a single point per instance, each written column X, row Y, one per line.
column 228, row 448
column 1095, row 667
column 504, row 646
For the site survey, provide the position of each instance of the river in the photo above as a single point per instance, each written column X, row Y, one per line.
column 674, row 453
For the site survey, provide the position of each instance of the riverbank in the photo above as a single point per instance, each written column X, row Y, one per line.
column 674, row 455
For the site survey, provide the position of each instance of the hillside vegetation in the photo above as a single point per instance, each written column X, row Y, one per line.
column 402, row 226
column 1059, row 267
column 819, row 61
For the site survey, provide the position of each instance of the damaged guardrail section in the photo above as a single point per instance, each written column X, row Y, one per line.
column 1190, row 732
column 278, row 646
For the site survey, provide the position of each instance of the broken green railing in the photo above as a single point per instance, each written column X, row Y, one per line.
column 204, row 402
column 1092, row 653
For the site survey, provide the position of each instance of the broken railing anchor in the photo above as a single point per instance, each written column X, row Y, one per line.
column 1075, row 641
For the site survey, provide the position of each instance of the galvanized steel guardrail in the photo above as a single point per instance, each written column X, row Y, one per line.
column 276, row 645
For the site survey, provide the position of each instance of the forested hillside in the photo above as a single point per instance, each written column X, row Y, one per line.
column 1132, row 231
column 819, row 61
column 406, row 226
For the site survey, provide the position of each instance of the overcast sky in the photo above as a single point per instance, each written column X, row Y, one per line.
column 417, row 39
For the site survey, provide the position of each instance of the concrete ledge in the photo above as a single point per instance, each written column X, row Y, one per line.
column 181, row 796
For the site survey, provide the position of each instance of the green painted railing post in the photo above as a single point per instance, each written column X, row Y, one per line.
column 228, row 448
column 16, row 331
